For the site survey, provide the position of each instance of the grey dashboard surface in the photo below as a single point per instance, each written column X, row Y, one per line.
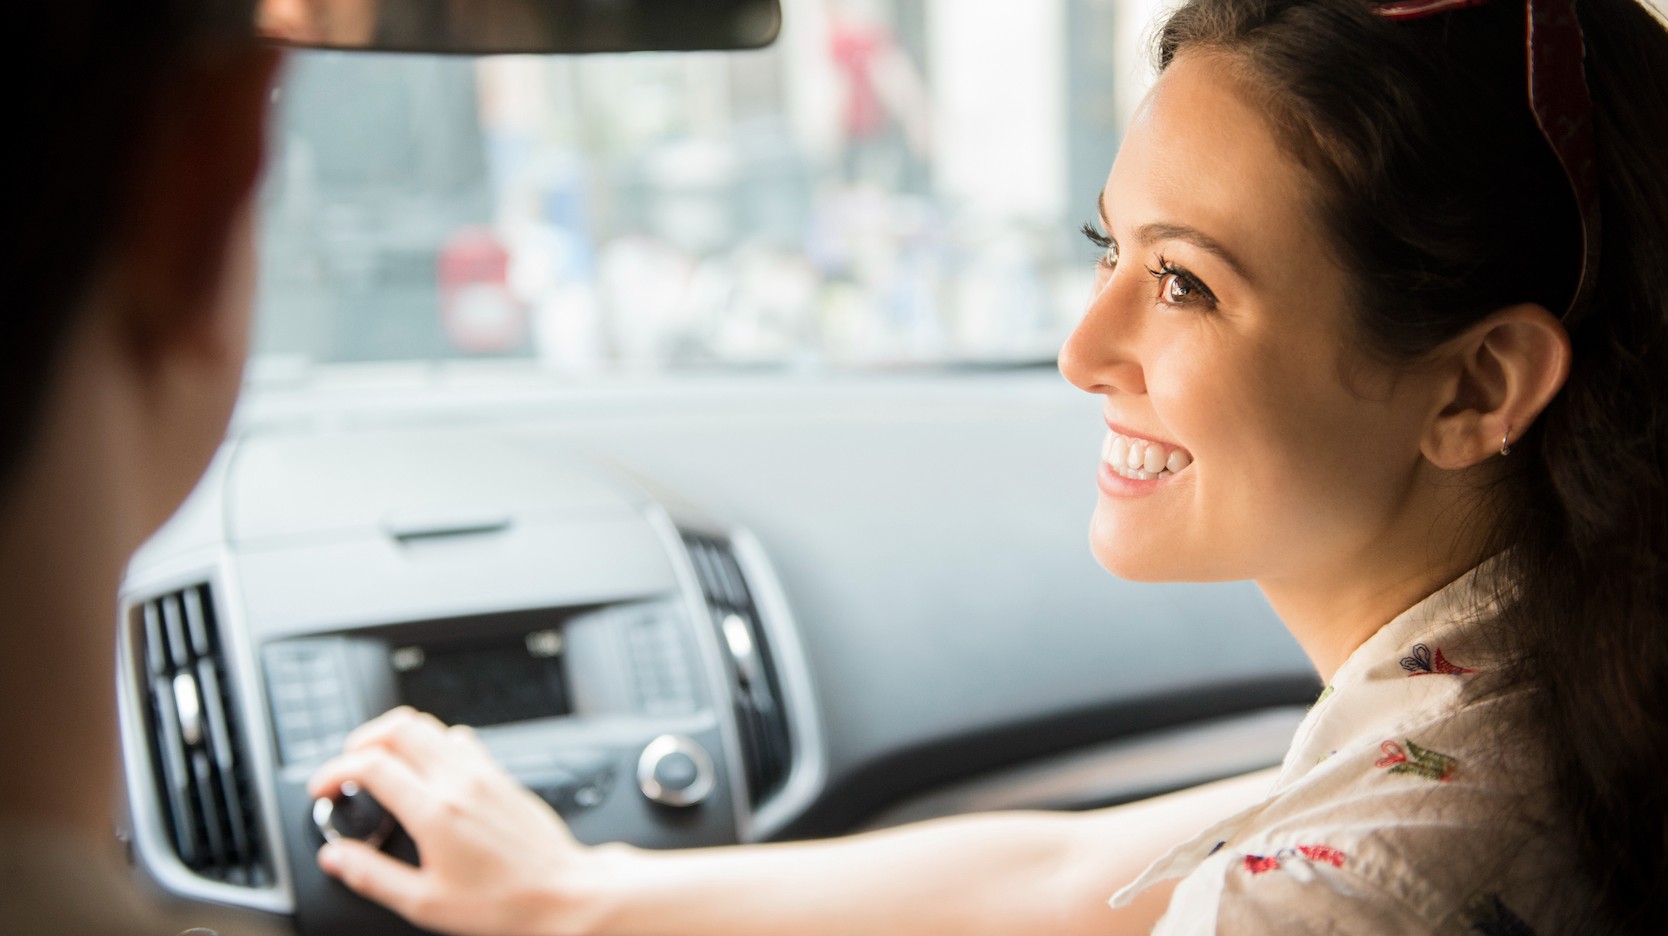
column 929, row 531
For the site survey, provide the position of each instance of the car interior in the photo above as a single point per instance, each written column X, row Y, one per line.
column 686, row 422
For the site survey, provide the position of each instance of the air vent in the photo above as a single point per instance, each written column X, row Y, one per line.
column 755, row 684
column 197, row 754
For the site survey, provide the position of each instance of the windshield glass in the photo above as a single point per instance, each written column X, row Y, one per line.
column 894, row 183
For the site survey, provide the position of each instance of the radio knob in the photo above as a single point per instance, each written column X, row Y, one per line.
column 353, row 814
column 675, row 771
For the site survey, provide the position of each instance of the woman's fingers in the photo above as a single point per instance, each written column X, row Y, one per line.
column 379, row 772
column 495, row 857
column 358, row 736
column 416, row 736
column 373, row 874
column 466, row 736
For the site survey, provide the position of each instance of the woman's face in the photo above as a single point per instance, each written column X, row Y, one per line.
column 1219, row 331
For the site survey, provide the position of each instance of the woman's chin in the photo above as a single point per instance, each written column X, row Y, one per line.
column 1132, row 568
column 1136, row 552
column 1131, row 557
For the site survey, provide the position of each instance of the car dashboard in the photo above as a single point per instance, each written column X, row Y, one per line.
column 684, row 611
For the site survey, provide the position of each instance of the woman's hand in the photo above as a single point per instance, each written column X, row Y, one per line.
column 495, row 858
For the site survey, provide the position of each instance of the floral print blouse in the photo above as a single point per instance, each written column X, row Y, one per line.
column 1412, row 800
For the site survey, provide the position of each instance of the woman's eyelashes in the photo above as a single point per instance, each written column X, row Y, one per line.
column 1177, row 286
column 1108, row 247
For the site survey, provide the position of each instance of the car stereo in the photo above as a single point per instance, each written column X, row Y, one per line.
column 601, row 711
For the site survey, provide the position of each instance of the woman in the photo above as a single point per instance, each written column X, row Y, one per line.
column 1356, row 340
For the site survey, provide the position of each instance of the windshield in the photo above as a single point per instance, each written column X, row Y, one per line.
column 894, row 183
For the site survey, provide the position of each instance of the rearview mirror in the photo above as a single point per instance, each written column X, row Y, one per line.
column 486, row 27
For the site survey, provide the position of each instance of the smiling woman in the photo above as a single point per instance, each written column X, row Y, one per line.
column 1237, row 363
column 1355, row 340
column 1421, row 293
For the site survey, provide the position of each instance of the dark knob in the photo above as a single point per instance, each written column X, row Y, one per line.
column 352, row 814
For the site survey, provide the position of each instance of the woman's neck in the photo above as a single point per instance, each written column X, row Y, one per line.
column 1334, row 609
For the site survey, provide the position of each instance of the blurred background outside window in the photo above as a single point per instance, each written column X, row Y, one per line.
column 896, row 183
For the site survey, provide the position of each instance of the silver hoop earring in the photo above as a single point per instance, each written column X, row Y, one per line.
column 1504, row 448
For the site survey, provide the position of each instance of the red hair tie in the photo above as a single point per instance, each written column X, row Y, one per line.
column 1558, row 96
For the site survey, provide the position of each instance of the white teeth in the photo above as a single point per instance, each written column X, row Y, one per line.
column 1141, row 459
column 1154, row 462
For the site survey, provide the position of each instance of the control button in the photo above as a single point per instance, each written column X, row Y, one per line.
column 579, row 785
column 675, row 771
column 554, row 786
column 353, row 814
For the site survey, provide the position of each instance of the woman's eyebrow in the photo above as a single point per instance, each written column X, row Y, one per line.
column 1163, row 230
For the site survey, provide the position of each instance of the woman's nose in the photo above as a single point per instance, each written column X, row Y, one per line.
column 1100, row 355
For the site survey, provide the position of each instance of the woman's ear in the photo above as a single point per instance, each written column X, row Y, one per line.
column 1501, row 373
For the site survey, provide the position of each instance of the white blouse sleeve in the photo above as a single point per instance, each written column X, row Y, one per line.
column 1298, row 898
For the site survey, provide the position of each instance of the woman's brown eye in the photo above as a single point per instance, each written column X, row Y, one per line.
column 1110, row 258
column 1176, row 290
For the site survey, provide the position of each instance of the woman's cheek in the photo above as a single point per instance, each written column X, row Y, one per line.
column 1198, row 397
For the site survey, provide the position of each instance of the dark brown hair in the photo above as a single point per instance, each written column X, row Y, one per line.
column 90, row 72
column 1446, row 204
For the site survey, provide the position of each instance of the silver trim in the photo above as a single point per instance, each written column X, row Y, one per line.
column 663, row 747
column 808, row 768
column 150, row 839
column 722, row 706
column 741, row 647
column 324, row 811
column 190, row 707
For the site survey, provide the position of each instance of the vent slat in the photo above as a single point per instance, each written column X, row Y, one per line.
column 730, row 574
column 214, row 715
column 704, row 572
column 176, row 781
column 179, row 652
column 211, row 815
column 198, row 764
column 755, row 688
column 196, row 624
column 156, row 653
column 225, row 759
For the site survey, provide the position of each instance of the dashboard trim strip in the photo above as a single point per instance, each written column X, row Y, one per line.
column 1114, row 772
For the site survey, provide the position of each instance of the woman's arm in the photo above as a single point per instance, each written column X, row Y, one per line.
column 497, row 860
column 1016, row 872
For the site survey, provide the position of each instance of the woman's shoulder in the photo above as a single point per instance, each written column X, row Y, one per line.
column 1438, row 822
column 1415, row 797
